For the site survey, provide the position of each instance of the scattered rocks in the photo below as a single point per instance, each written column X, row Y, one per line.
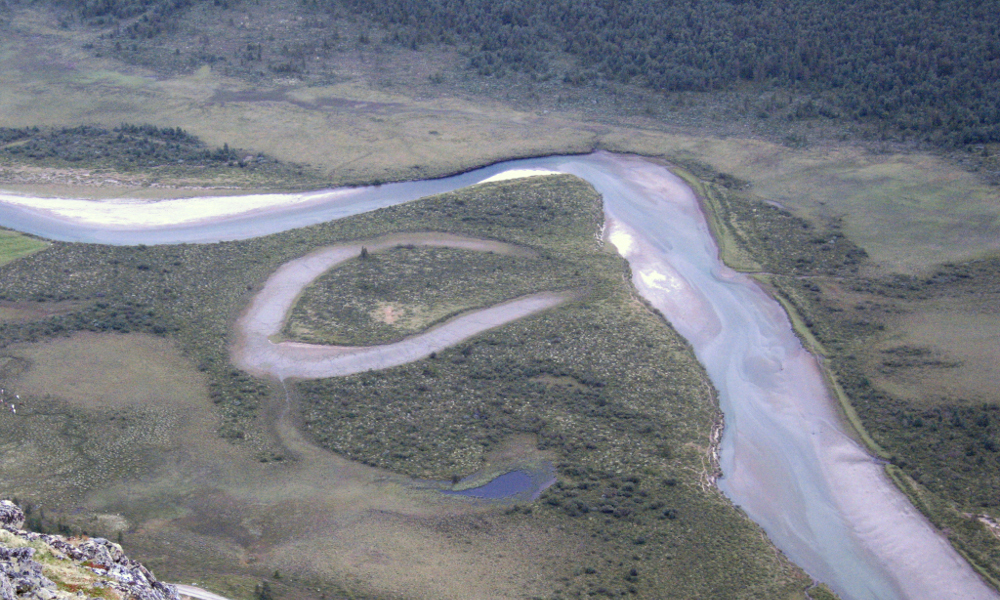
column 38, row 566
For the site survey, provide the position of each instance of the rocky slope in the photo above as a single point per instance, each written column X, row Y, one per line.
column 49, row 567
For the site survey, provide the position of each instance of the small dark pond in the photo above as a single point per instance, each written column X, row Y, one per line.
column 520, row 485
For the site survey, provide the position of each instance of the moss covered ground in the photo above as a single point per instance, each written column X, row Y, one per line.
column 401, row 291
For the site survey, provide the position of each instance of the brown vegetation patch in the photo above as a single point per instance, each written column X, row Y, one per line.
column 943, row 349
column 389, row 314
column 20, row 312
column 559, row 380
column 111, row 371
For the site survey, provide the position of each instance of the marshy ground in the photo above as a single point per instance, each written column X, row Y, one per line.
column 602, row 388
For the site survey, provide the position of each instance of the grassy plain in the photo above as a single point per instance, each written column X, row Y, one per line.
column 110, row 371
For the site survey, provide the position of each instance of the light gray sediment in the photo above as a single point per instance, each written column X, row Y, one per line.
column 254, row 350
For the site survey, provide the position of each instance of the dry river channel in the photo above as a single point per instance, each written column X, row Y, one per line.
column 786, row 458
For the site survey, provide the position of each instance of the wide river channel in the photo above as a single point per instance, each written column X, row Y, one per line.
column 785, row 456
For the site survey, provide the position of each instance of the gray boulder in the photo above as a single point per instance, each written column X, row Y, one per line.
column 11, row 515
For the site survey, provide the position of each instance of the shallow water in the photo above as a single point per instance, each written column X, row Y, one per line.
column 514, row 485
column 785, row 457
column 504, row 486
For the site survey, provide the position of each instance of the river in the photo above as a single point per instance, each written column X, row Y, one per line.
column 786, row 459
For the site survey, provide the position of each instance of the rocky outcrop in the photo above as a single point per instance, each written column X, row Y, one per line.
column 37, row 566
column 11, row 516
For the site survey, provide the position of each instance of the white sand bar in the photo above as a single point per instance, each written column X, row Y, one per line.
column 131, row 212
column 519, row 174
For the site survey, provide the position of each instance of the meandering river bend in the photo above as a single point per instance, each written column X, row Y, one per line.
column 786, row 459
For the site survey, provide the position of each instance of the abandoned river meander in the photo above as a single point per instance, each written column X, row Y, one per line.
column 786, row 458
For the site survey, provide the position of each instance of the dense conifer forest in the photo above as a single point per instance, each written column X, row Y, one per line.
column 929, row 70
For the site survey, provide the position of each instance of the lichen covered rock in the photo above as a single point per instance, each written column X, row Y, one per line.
column 37, row 566
column 11, row 515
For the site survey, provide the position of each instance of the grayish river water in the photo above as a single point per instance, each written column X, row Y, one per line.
column 785, row 457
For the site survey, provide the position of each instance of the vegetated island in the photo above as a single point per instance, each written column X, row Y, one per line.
column 383, row 297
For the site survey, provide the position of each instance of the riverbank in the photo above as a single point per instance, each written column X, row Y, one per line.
column 900, row 352
column 673, row 282
column 779, row 379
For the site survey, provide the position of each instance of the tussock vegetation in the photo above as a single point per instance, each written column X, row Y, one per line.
column 128, row 147
column 389, row 295
column 610, row 392
column 946, row 448
column 914, row 70
column 552, row 376
column 93, row 410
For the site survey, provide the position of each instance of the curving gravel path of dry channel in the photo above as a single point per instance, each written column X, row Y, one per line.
column 255, row 351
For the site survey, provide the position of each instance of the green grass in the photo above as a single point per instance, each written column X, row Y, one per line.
column 723, row 230
column 798, row 325
column 821, row 592
column 15, row 245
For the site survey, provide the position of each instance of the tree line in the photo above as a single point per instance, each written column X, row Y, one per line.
column 930, row 68
column 126, row 146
